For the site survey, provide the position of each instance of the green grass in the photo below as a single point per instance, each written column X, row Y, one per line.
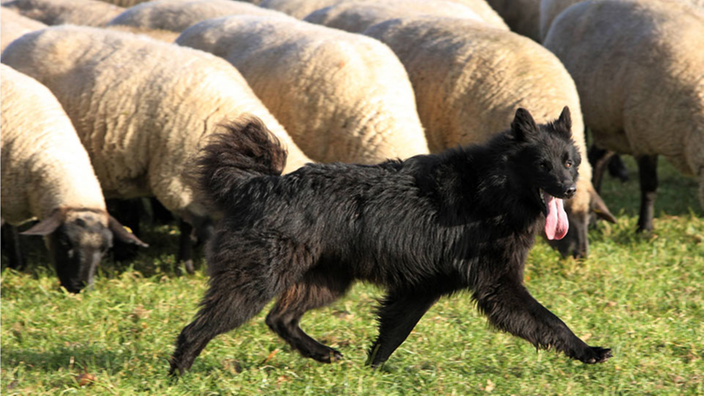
column 638, row 294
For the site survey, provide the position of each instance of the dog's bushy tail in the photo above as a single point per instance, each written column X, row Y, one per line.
column 245, row 150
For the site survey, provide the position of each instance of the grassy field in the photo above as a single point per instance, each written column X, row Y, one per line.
column 638, row 294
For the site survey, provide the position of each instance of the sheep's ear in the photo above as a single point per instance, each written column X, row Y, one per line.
column 564, row 123
column 121, row 233
column 523, row 125
column 600, row 209
column 46, row 226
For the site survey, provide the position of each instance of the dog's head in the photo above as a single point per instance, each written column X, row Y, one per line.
column 547, row 164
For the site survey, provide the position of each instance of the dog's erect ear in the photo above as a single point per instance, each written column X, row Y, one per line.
column 46, row 226
column 564, row 123
column 523, row 124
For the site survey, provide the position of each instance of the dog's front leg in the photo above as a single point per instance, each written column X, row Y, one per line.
column 398, row 315
column 511, row 308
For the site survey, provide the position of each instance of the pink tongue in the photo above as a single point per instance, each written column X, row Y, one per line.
column 556, row 223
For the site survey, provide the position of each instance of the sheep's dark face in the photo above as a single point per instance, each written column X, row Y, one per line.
column 76, row 248
column 77, row 239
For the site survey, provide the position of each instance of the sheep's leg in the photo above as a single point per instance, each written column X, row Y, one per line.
column 618, row 169
column 648, row 172
column 11, row 245
column 185, row 245
column 599, row 159
column 315, row 290
column 398, row 315
column 509, row 307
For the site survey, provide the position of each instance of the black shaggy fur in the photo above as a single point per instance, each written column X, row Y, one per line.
column 422, row 228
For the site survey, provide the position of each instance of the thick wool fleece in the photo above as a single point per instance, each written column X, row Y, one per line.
column 639, row 76
column 357, row 16
column 341, row 96
column 13, row 25
column 297, row 8
column 550, row 9
column 141, row 107
column 469, row 80
column 484, row 10
column 61, row 12
column 44, row 165
column 177, row 15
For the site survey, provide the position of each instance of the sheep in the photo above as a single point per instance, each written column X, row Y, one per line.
column 14, row 25
column 297, row 8
column 469, row 79
column 341, row 96
column 47, row 175
column 125, row 3
column 357, row 16
column 301, row 8
column 550, row 9
column 639, row 77
column 57, row 12
column 522, row 16
column 141, row 108
column 176, row 16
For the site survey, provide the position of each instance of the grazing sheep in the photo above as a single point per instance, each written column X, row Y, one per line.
column 126, row 3
column 59, row 12
column 47, row 175
column 522, row 16
column 639, row 77
column 357, row 16
column 341, row 96
column 13, row 25
column 550, row 9
column 141, row 108
column 469, row 80
column 176, row 16
column 158, row 34
column 297, row 8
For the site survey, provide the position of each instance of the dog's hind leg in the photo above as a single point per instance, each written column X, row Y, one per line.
column 398, row 315
column 511, row 308
column 237, row 292
column 315, row 290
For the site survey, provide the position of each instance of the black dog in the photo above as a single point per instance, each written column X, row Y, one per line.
column 422, row 228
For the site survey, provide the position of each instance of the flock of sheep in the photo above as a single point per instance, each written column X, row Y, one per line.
column 113, row 102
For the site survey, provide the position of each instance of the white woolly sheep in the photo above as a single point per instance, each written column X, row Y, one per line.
column 47, row 175
column 639, row 77
column 470, row 79
column 176, row 16
column 341, row 96
column 141, row 108
column 550, row 9
column 125, row 3
column 522, row 16
column 59, row 12
column 357, row 16
column 13, row 25
column 297, row 8
column 484, row 10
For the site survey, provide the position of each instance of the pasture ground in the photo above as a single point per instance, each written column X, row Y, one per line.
column 641, row 295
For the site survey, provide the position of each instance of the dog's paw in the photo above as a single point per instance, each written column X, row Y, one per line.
column 328, row 356
column 593, row 355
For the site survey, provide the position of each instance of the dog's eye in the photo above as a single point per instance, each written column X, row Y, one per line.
column 568, row 164
column 545, row 165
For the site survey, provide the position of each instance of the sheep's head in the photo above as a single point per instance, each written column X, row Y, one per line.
column 77, row 239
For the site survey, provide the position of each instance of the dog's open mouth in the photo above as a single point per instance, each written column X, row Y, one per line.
column 556, row 223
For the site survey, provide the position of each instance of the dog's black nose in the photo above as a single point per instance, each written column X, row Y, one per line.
column 570, row 191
